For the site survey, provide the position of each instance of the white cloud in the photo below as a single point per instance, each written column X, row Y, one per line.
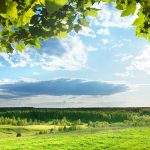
column 124, row 57
column 140, row 62
column 91, row 49
column 103, row 31
column 123, row 74
column 119, row 44
column 110, row 17
column 7, row 81
column 13, row 81
column 87, row 31
column 105, row 41
column 35, row 73
column 17, row 59
column 73, row 58
column 126, row 40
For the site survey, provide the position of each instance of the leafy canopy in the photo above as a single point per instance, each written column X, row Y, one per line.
column 28, row 22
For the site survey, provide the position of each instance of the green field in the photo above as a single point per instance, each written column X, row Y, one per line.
column 133, row 138
column 75, row 129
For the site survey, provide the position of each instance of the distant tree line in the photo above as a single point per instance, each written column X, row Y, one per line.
column 26, row 116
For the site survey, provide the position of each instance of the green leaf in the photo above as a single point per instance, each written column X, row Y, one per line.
column 2, row 49
column 54, row 5
column 3, row 7
column 25, row 18
column 130, row 9
column 12, row 11
column 9, row 48
column 62, row 35
column 9, row 11
column 20, row 47
column 77, row 28
column 140, row 20
column 92, row 12
column 119, row 6
column 148, row 38
column 87, row 3
column 108, row 1
column 37, row 43
column 83, row 22
column 28, row 15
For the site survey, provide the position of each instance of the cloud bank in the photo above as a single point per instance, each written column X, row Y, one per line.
column 59, row 87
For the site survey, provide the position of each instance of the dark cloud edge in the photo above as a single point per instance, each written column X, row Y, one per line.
column 60, row 87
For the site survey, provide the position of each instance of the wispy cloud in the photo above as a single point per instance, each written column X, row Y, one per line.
column 105, row 41
column 124, row 57
column 36, row 73
column 103, row 31
column 139, row 62
column 88, row 32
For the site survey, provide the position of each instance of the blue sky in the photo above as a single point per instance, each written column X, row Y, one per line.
column 105, row 65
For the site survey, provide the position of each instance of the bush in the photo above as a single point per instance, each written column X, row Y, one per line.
column 18, row 134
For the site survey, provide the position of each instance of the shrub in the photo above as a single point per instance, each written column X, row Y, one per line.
column 18, row 134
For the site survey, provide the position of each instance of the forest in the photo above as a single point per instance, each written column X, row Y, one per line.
column 31, row 116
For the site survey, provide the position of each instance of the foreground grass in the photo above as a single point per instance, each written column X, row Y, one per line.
column 111, row 139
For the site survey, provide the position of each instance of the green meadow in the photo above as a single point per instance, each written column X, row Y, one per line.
column 133, row 138
column 75, row 129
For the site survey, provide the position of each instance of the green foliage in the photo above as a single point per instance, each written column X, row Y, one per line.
column 142, row 22
column 28, row 22
column 129, row 9
column 54, row 5
column 67, row 117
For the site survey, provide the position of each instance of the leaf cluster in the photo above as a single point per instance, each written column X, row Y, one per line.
column 28, row 22
column 142, row 22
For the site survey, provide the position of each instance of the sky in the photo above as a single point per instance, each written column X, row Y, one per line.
column 104, row 65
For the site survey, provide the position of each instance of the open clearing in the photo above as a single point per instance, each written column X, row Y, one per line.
column 135, row 138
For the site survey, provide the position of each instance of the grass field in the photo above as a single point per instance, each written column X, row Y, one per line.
column 135, row 138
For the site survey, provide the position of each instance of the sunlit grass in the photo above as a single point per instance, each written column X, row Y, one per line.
column 89, row 139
